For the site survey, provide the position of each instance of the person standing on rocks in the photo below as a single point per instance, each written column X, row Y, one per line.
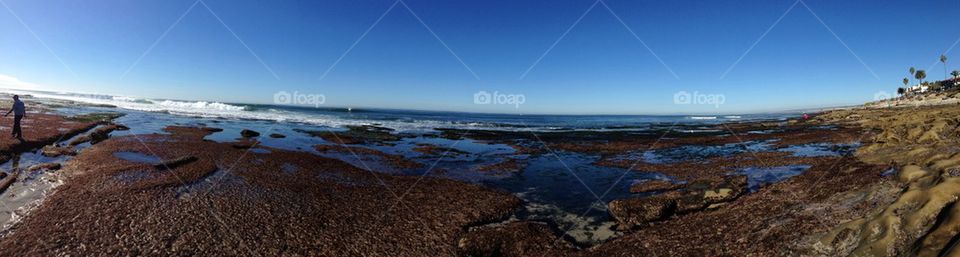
column 19, row 111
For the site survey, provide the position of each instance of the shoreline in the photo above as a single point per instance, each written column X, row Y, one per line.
column 675, row 188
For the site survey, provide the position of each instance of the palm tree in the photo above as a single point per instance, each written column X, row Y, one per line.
column 955, row 73
column 920, row 75
column 943, row 59
column 913, row 71
column 906, row 81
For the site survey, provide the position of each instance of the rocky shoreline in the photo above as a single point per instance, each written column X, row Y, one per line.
column 798, row 187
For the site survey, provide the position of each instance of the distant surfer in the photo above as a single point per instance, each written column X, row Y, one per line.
column 19, row 111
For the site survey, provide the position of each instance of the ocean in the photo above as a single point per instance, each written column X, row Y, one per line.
column 399, row 120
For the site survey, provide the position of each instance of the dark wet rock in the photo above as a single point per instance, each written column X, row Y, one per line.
column 249, row 133
column 518, row 239
column 174, row 163
column 276, row 135
column 54, row 151
column 654, row 186
column 355, row 135
column 45, row 166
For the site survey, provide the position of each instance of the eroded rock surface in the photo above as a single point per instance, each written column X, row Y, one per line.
column 923, row 220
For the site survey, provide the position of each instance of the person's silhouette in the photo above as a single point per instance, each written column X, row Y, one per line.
column 19, row 111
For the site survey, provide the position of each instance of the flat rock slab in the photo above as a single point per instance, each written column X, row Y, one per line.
column 245, row 206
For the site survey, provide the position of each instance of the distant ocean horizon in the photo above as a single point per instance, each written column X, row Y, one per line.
column 403, row 120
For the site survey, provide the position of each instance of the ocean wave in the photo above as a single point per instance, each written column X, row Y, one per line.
column 200, row 105
column 122, row 98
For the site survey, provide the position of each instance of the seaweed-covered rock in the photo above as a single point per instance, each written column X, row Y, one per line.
column 174, row 163
column 276, row 135
column 355, row 135
column 633, row 212
column 45, row 166
column 96, row 117
column 654, row 186
column 695, row 196
column 54, row 151
column 524, row 238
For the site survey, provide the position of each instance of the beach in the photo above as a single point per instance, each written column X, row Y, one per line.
column 98, row 179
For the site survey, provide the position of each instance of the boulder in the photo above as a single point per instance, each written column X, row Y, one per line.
column 97, row 135
column 704, row 193
column 249, row 133
column 720, row 189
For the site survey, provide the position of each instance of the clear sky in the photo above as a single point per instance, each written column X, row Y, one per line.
column 834, row 53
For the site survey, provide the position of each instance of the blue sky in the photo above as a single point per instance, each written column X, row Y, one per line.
column 597, row 67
